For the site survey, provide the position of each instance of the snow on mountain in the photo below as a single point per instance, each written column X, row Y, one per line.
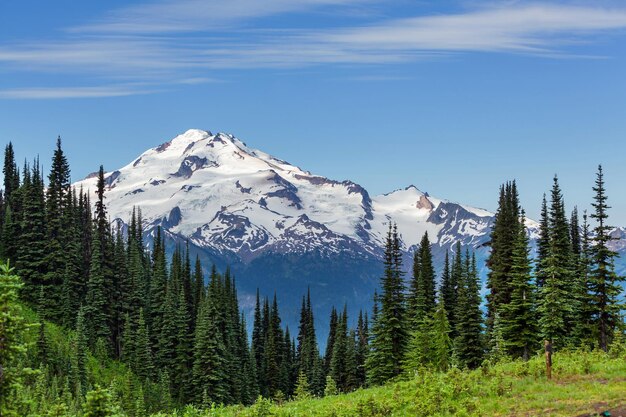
column 223, row 195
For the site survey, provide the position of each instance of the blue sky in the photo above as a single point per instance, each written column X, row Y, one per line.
column 452, row 96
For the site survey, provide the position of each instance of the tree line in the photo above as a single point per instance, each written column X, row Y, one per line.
column 567, row 295
column 183, row 337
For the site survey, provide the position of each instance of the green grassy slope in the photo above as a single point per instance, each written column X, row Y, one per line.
column 582, row 383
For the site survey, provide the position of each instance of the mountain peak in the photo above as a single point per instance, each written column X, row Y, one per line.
column 223, row 191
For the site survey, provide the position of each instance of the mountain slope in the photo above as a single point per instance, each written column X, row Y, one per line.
column 223, row 195
column 280, row 227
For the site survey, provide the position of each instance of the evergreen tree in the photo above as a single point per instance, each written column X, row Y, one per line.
column 307, row 352
column 166, row 354
column 330, row 343
column 96, row 302
column 98, row 403
column 158, row 287
column 144, row 366
column 302, row 391
column 588, row 329
column 80, row 353
column 338, row 366
column 440, row 339
column 198, row 284
column 421, row 300
column 543, row 246
column 557, row 308
column 518, row 318
column 102, row 224
column 208, row 366
column 56, row 242
column 12, row 343
column 603, row 279
column 74, row 284
column 447, row 292
column 389, row 333
column 31, row 253
column 258, row 339
column 468, row 345
column 362, row 348
column 351, row 379
column 503, row 236
column 10, row 230
column 184, row 348
column 10, row 172
column 457, row 279
column 430, row 345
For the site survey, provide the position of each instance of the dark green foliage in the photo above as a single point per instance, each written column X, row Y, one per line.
column 208, row 368
column 468, row 344
column 58, row 220
column 362, row 348
column 74, row 282
column 338, row 364
column 330, row 343
column 307, row 354
column 389, row 333
column 96, row 303
column 144, row 365
column 503, row 236
column 31, row 252
column 518, row 318
column 81, row 347
column 10, row 173
column 557, row 307
column 543, row 246
column 421, row 300
column 12, row 343
column 604, row 282
column 448, row 291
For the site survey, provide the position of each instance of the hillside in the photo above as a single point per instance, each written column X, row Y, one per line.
column 584, row 383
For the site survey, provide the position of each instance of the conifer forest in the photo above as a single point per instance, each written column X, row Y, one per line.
column 96, row 322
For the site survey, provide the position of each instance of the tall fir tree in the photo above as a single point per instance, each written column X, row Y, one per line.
column 31, row 241
column 96, row 307
column 517, row 318
column 389, row 336
column 10, row 173
column 338, row 365
column 503, row 236
column 557, row 302
column 56, row 223
column 603, row 279
column 448, row 291
column 144, row 365
column 468, row 345
column 421, row 299
column 208, row 366
column 330, row 343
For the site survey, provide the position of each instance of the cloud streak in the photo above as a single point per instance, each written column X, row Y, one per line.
column 48, row 93
column 140, row 45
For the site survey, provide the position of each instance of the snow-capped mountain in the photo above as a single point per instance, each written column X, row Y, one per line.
column 278, row 227
column 241, row 202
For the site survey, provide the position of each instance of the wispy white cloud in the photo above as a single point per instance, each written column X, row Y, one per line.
column 44, row 93
column 138, row 44
column 194, row 15
column 533, row 28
